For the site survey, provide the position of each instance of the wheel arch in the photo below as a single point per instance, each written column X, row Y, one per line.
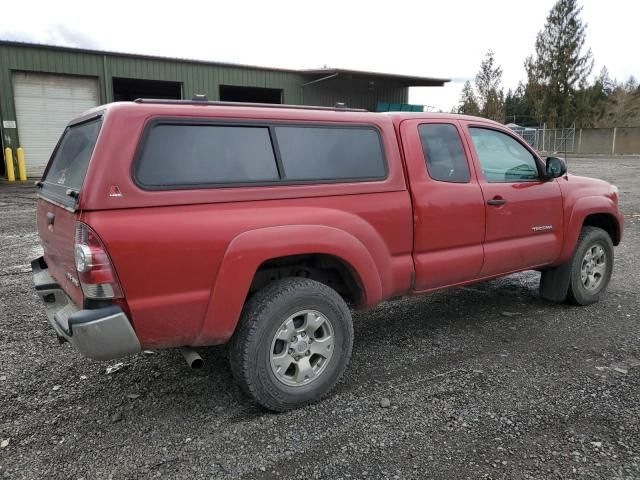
column 605, row 221
column 243, row 261
column 596, row 211
column 331, row 270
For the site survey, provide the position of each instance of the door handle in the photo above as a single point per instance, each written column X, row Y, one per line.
column 496, row 201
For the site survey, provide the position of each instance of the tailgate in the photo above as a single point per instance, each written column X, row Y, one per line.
column 56, row 227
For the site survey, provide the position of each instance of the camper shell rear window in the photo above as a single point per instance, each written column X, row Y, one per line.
column 65, row 173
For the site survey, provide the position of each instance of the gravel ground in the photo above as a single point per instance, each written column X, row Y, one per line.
column 487, row 381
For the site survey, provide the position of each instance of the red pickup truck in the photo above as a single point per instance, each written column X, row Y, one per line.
column 189, row 223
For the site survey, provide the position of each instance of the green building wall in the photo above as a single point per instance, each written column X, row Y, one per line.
column 196, row 77
column 356, row 92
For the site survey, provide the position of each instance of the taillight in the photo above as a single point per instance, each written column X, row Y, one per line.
column 97, row 277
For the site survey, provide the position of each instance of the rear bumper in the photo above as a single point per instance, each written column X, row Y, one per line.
column 101, row 333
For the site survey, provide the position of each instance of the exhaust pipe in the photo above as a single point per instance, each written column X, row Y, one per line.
column 194, row 360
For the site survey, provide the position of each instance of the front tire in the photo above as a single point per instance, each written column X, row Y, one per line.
column 591, row 267
column 292, row 344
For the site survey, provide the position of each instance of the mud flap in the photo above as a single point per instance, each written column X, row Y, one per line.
column 554, row 282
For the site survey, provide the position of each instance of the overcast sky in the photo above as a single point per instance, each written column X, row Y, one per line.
column 441, row 39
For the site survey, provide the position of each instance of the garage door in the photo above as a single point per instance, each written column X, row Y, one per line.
column 44, row 105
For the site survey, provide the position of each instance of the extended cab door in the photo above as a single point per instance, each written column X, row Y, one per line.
column 524, row 211
column 448, row 205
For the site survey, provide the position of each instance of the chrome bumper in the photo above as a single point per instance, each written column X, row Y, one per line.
column 102, row 333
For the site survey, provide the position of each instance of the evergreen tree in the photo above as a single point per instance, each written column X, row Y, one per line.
column 517, row 107
column 489, row 87
column 560, row 66
column 510, row 107
column 590, row 101
column 493, row 107
column 468, row 101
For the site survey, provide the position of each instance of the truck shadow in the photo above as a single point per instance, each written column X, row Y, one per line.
column 431, row 333
column 425, row 334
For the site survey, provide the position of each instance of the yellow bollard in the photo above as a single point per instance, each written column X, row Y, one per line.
column 22, row 167
column 8, row 156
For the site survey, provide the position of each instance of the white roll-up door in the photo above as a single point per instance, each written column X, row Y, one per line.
column 44, row 105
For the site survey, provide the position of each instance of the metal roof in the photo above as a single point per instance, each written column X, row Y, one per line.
column 407, row 80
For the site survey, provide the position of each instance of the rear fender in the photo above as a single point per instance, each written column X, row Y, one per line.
column 249, row 250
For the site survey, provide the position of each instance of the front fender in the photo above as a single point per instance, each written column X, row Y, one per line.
column 582, row 208
column 247, row 251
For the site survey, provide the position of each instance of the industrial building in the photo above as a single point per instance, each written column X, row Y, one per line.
column 42, row 87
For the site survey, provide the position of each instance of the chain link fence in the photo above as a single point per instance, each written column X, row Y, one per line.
column 549, row 139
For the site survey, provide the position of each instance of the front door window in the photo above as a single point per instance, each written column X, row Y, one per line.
column 502, row 158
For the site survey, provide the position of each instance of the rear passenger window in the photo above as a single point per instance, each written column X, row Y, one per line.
column 443, row 153
column 175, row 154
column 330, row 153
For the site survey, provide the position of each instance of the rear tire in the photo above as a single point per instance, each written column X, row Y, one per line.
column 591, row 267
column 292, row 344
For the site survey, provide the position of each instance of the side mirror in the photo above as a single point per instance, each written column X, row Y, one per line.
column 555, row 167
